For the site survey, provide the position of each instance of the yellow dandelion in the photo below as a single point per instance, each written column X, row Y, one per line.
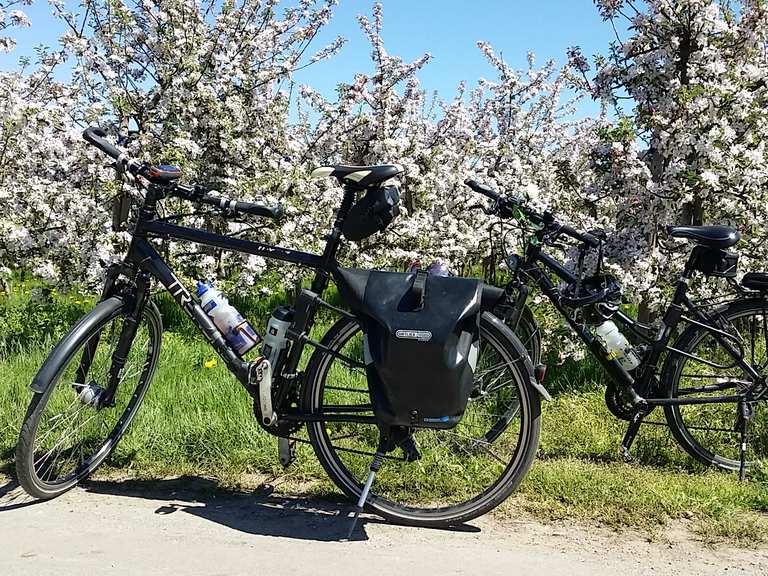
column 210, row 363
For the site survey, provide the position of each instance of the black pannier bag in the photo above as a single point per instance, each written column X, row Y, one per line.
column 421, row 341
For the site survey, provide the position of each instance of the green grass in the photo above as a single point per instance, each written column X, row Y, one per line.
column 198, row 421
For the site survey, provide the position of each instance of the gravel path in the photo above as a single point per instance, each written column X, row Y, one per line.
column 179, row 527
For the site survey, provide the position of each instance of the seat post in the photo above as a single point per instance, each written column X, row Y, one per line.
column 690, row 264
column 333, row 238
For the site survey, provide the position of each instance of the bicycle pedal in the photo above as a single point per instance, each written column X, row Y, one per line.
column 286, row 450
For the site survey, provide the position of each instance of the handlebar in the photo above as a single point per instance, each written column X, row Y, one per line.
column 162, row 176
column 96, row 136
column 232, row 207
column 503, row 204
column 483, row 189
column 584, row 237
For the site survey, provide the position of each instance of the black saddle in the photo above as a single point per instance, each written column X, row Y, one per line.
column 755, row 281
column 710, row 236
column 361, row 176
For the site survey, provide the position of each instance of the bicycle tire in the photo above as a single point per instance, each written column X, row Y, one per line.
column 34, row 471
column 494, row 333
column 708, row 431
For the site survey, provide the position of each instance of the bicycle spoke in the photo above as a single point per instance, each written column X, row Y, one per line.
column 711, row 432
column 341, row 389
column 71, row 420
column 69, row 436
column 435, row 462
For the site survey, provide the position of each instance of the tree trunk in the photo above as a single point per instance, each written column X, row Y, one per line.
column 656, row 162
column 121, row 205
column 692, row 213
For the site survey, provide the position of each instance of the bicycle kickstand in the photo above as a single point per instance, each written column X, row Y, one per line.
column 742, row 422
column 375, row 465
column 629, row 436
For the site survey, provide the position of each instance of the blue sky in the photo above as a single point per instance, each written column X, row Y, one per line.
column 448, row 29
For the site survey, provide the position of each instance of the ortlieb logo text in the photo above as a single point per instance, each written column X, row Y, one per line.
column 420, row 335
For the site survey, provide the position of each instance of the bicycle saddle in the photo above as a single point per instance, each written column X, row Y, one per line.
column 755, row 281
column 711, row 236
column 361, row 176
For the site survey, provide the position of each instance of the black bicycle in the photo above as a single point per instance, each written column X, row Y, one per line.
column 705, row 362
column 92, row 384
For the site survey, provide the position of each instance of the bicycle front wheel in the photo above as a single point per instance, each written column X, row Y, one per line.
column 527, row 331
column 463, row 472
column 702, row 368
column 68, row 431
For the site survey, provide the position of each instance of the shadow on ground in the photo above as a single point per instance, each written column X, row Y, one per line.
column 253, row 512
column 11, row 494
column 258, row 512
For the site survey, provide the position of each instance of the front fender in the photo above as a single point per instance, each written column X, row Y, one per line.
column 522, row 352
column 50, row 369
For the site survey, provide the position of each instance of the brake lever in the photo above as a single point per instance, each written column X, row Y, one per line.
column 125, row 139
column 551, row 241
column 488, row 211
column 122, row 173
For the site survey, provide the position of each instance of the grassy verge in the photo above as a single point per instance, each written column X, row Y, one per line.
column 198, row 421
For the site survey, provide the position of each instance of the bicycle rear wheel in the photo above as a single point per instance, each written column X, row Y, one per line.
column 463, row 472
column 711, row 432
column 67, row 433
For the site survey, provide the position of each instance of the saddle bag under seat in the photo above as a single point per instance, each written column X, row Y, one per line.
column 421, row 341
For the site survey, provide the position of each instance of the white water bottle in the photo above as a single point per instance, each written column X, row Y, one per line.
column 617, row 346
column 236, row 329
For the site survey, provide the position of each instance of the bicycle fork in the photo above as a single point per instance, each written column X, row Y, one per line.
column 125, row 341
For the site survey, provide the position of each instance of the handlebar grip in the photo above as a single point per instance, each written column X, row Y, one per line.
column 275, row 212
column 96, row 136
column 233, row 206
column 585, row 237
column 483, row 189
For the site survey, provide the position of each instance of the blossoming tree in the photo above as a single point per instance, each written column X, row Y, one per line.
column 688, row 86
column 208, row 85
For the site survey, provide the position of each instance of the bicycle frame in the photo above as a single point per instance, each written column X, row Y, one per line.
column 536, row 266
column 143, row 262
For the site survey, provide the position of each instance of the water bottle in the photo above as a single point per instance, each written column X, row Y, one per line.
column 275, row 339
column 617, row 346
column 236, row 329
column 436, row 268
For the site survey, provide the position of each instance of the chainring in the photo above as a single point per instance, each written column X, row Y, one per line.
column 617, row 405
column 282, row 428
column 622, row 407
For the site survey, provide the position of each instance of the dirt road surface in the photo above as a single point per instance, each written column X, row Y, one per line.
column 182, row 528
